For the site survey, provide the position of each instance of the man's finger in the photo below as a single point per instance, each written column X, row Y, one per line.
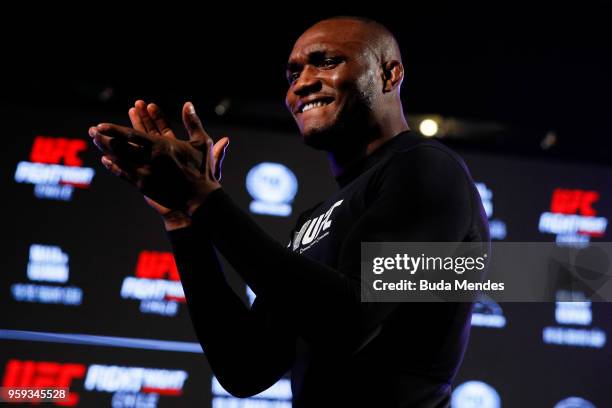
column 121, row 132
column 147, row 121
column 160, row 121
column 101, row 142
column 154, row 119
column 136, row 121
column 108, row 145
column 116, row 170
column 129, row 152
column 197, row 135
column 120, row 148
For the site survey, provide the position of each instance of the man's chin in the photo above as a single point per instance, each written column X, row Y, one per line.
column 322, row 138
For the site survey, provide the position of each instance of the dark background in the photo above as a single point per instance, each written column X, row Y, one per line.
column 504, row 77
column 536, row 67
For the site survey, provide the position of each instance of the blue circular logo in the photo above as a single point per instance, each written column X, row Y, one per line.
column 475, row 394
column 574, row 402
column 271, row 183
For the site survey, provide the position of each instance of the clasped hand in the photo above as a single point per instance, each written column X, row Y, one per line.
column 173, row 174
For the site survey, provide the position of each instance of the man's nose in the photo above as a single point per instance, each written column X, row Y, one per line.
column 307, row 82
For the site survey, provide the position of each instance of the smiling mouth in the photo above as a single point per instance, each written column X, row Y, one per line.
column 319, row 103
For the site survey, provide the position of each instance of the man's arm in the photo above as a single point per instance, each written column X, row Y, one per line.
column 423, row 196
column 248, row 349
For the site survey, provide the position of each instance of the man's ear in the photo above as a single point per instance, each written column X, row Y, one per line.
column 393, row 74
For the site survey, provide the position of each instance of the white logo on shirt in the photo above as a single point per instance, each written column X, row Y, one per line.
column 311, row 230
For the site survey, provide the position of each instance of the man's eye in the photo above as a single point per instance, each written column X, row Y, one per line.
column 329, row 62
column 292, row 77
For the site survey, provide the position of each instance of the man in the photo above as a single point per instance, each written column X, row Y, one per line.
column 344, row 93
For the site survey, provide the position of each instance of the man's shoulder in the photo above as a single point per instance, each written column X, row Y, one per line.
column 425, row 159
column 429, row 149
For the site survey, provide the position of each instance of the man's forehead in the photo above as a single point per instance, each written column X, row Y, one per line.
column 332, row 34
column 324, row 45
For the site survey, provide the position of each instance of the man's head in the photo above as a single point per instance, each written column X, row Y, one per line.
column 344, row 76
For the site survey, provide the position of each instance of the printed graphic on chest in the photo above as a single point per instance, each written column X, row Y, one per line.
column 313, row 230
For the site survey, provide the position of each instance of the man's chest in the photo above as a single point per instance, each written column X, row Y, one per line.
column 320, row 235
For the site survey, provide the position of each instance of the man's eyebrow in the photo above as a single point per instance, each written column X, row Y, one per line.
column 314, row 53
column 293, row 66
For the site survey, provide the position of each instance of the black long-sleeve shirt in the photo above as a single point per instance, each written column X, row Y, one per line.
column 308, row 316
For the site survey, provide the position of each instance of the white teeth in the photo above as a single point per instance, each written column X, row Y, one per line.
column 312, row 105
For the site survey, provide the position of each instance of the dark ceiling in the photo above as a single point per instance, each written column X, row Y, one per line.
column 535, row 71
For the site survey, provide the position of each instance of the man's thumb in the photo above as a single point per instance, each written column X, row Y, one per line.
column 219, row 154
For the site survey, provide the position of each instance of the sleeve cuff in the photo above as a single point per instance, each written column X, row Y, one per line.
column 179, row 235
column 212, row 209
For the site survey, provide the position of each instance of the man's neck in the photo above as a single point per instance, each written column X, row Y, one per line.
column 342, row 159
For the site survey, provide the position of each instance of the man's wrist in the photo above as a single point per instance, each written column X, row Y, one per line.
column 176, row 219
column 196, row 202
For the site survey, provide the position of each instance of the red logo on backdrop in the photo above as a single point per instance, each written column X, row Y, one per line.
column 55, row 167
column 127, row 384
column 156, row 284
column 574, row 202
column 44, row 374
column 56, row 150
column 572, row 217
column 156, row 265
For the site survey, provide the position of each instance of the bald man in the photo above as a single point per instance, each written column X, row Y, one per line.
column 344, row 79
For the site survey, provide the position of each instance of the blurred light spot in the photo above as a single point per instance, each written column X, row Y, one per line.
column 222, row 107
column 428, row 127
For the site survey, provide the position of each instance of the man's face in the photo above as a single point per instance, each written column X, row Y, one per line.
column 332, row 80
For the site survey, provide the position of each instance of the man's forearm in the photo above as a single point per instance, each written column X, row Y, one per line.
column 244, row 354
column 324, row 304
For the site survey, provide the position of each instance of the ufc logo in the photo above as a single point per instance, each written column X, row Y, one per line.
column 43, row 374
column 53, row 150
column 156, row 265
column 566, row 201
